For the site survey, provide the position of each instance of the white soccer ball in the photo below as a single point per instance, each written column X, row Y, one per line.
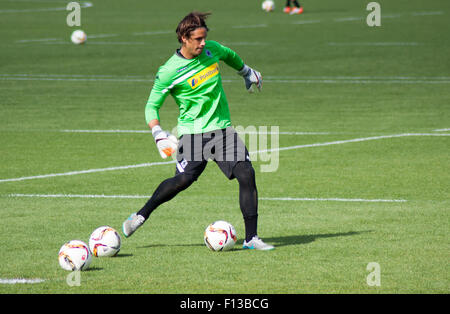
column 220, row 236
column 104, row 241
column 75, row 255
column 78, row 37
column 268, row 5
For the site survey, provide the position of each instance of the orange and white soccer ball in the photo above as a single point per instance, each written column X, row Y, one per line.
column 220, row 236
column 268, row 5
column 104, row 242
column 78, row 37
column 75, row 255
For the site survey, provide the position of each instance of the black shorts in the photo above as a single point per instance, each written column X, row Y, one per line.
column 223, row 146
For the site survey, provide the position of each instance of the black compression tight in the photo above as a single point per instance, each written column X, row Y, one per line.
column 296, row 4
column 167, row 190
column 248, row 197
column 248, row 194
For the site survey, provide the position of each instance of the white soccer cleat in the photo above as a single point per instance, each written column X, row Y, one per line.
column 257, row 244
column 130, row 225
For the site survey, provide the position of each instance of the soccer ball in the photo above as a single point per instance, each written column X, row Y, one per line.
column 75, row 255
column 220, row 236
column 268, row 5
column 78, row 37
column 104, row 241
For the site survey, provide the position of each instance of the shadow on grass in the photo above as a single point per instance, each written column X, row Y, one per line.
column 121, row 255
column 276, row 241
column 92, row 269
column 170, row 245
column 304, row 239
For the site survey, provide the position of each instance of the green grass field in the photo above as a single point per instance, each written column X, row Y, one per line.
column 376, row 190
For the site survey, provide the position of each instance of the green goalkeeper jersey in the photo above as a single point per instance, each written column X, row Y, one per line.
column 196, row 86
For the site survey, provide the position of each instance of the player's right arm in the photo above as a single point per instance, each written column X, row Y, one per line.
column 165, row 142
column 158, row 95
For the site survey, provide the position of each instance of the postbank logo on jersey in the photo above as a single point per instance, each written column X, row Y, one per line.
column 203, row 76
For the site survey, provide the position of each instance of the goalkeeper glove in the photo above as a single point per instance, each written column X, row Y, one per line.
column 167, row 143
column 251, row 77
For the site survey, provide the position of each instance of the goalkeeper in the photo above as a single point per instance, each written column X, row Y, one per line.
column 192, row 77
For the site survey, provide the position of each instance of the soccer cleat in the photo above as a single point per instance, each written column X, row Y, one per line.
column 287, row 9
column 257, row 244
column 130, row 225
column 296, row 11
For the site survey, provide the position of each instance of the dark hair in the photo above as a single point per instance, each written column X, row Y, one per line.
column 191, row 22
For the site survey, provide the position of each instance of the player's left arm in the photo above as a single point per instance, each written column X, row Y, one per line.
column 251, row 76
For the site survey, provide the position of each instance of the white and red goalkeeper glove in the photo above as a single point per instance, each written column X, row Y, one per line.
column 167, row 143
column 251, row 77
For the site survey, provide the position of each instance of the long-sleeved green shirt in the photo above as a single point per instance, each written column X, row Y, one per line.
column 196, row 86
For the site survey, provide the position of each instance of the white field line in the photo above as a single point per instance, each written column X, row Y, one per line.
column 91, row 36
column 148, row 131
column 331, row 199
column 381, row 44
column 352, row 81
column 70, row 173
column 152, row 33
column 362, row 18
column 61, row 41
column 103, row 35
column 37, row 40
column 306, row 22
column 23, row 41
column 344, row 77
column 356, row 140
column 109, row 43
column 303, row 199
column 105, row 131
column 86, row 4
column 442, row 130
column 80, row 79
column 423, row 13
column 79, row 196
column 268, row 79
column 83, row 4
column 15, row 281
column 390, row 16
column 75, row 75
column 250, row 26
column 245, row 43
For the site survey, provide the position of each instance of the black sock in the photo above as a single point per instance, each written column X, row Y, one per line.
column 251, row 225
column 248, row 197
